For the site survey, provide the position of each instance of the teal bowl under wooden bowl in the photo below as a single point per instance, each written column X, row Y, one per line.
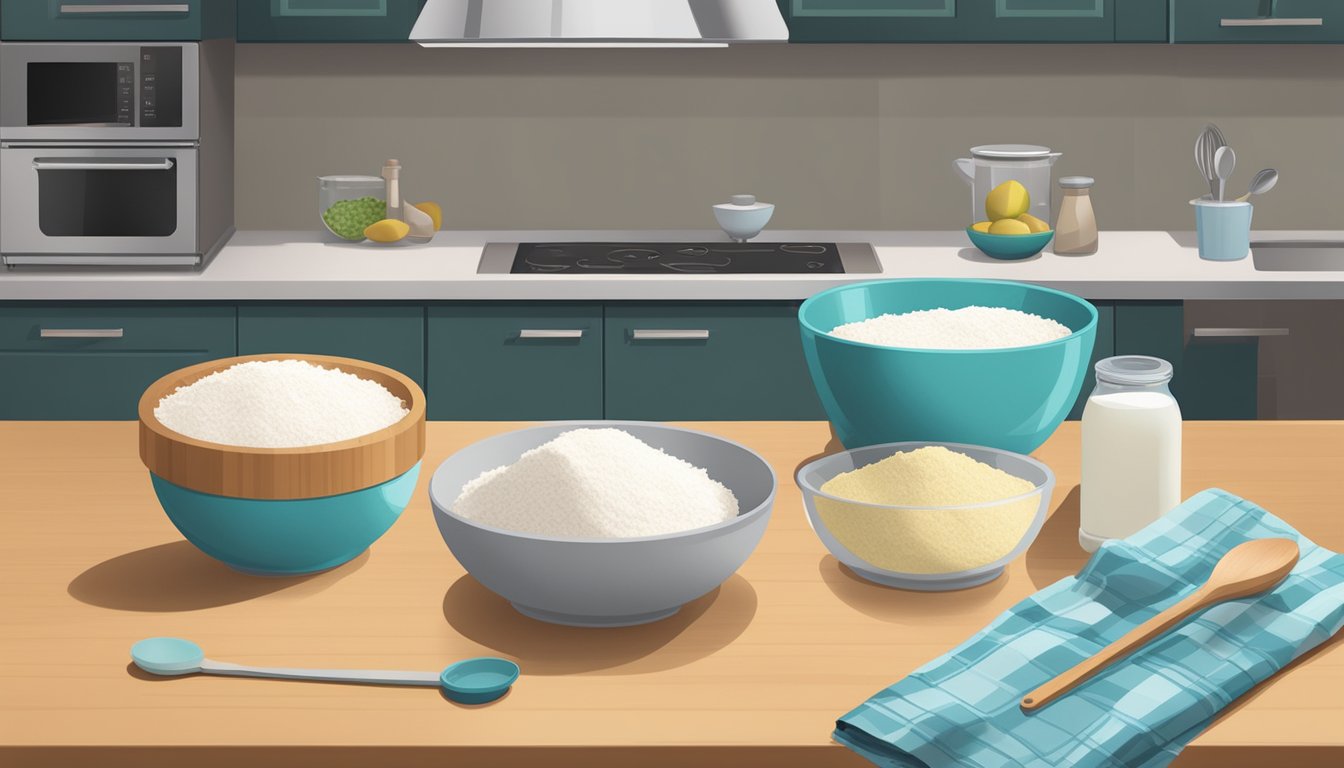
column 1010, row 247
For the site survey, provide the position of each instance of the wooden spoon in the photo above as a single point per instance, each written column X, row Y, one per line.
column 1247, row 569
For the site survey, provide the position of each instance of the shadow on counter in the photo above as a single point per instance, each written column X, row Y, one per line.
column 1055, row 553
column 700, row 628
column 178, row 577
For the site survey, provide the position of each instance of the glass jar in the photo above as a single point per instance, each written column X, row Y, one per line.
column 348, row 204
column 1076, row 230
column 992, row 164
column 1131, row 449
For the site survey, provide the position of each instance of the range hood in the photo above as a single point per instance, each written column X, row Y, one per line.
column 598, row 23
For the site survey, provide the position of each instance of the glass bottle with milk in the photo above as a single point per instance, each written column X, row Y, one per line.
column 1131, row 449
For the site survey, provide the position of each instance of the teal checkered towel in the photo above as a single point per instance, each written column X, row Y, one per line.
column 962, row 709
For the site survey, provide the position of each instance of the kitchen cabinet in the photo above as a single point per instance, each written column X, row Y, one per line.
column 387, row 334
column 94, row 361
column 143, row 20
column 940, row 21
column 1257, row 21
column 324, row 21
column 511, row 361
column 712, row 361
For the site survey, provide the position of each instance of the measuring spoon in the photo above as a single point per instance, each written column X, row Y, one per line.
column 470, row 681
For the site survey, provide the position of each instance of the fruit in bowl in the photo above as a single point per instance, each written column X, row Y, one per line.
column 1010, row 232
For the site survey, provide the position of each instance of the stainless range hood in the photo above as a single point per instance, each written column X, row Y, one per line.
column 598, row 23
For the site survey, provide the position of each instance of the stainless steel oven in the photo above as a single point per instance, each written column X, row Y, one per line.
column 115, row 154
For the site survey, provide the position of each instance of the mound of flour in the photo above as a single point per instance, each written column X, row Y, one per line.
column 596, row 484
column 965, row 328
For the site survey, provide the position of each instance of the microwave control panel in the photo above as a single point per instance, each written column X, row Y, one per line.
column 160, row 87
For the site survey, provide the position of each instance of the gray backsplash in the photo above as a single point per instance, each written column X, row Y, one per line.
column 855, row 137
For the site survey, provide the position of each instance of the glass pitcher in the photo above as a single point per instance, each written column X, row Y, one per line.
column 992, row 164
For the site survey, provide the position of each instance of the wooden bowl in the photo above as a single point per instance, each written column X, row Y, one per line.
column 283, row 473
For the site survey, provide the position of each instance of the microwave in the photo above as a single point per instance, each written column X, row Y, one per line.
column 115, row 154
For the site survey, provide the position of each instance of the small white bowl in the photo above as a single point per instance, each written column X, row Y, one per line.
column 743, row 218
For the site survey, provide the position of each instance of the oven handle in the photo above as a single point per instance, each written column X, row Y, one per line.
column 125, row 8
column 164, row 164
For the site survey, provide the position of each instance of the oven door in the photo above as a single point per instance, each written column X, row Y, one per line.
column 62, row 202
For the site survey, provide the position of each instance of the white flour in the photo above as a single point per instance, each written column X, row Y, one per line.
column 596, row 484
column 966, row 328
column 279, row 404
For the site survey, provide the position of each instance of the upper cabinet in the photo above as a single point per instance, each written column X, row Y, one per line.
column 1258, row 21
column 1003, row 21
column 144, row 20
column 326, row 21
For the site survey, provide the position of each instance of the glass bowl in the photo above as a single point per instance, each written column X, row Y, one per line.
column 348, row 204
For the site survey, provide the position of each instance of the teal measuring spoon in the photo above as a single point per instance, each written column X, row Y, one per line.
column 470, row 681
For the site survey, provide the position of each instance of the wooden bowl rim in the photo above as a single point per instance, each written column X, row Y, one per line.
column 155, row 392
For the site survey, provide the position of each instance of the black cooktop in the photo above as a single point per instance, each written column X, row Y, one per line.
column 677, row 258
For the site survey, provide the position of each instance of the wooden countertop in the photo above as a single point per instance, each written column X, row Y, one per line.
column 752, row 674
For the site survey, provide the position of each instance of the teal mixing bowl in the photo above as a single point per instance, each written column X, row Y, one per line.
column 286, row 537
column 1011, row 399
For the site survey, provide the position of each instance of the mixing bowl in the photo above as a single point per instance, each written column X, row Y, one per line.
column 1010, row 247
column 606, row 582
column 1011, row 398
column 926, row 548
column 285, row 511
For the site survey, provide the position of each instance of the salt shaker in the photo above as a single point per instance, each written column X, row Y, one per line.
column 1131, row 449
column 1076, row 230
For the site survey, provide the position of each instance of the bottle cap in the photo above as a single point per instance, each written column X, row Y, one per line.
column 1134, row 369
column 1076, row 182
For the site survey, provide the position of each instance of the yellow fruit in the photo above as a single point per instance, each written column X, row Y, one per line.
column 434, row 211
column 1009, row 227
column 1007, row 201
column 387, row 231
column 1036, row 224
column 982, row 226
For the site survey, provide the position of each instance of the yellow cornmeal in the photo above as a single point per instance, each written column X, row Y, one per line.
column 928, row 540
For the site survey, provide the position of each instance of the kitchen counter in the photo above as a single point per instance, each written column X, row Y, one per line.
column 753, row 674
column 299, row 266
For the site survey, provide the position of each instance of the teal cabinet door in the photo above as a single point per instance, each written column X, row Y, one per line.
column 936, row 21
column 1104, row 348
column 1142, row 21
column 1257, row 21
column 504, row 361
column 326, row 21
column 391, row 335
column 146, row 20
column 1213, row 378
column 709, row 361
column 93, row 362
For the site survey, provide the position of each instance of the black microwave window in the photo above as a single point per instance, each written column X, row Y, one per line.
column 73, row 92
column 107, row 203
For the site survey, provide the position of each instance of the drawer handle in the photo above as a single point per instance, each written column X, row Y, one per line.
column 81, row 333
column 667, row 334
column 1271, row 21
column 164, row 164
column 126, row 8
column 1238, row 333
column 551, row 333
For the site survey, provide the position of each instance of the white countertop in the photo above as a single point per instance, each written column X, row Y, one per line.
column 269, row 265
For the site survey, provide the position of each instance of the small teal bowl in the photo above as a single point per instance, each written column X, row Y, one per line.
column 1011, row 399
column 286, row 537
column 1010, row 247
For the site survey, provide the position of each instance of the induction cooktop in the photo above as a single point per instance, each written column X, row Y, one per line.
column 628, row 258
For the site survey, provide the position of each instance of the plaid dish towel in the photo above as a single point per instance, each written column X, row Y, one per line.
column 962, row 709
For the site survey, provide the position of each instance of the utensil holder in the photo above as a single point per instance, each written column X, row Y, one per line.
column 1223, row 229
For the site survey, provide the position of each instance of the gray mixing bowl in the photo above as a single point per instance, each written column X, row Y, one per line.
column 600, row 582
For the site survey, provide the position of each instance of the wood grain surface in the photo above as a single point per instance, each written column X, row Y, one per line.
column 284, row 473
column 754, row 673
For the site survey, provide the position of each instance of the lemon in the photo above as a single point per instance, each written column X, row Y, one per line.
column 982, row 226
column 387, row 231
column 1036, row 224
column 434, row 211
column 1007, row 201
column 1009, row 227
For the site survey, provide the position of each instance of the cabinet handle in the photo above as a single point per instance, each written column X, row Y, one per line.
column 551, row 333
column 1238, row 333
column 126, row 8
column 1271, row 21
column 667, row 334
column 81, row 333
column 163, row 164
